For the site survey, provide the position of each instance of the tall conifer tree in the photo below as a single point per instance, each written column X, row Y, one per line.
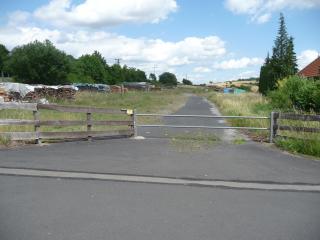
column 282, row 63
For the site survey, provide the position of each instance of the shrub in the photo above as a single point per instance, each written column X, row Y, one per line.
column 168, row 79
column 296, row 93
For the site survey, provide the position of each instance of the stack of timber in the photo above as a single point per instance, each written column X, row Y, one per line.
column 118, row 89
column 62, row 93
column 4, row 95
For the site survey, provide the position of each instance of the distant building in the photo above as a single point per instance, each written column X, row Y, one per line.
column 312, row 70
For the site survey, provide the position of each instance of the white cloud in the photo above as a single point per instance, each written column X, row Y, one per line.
column 132, row 50
column 264, row 18
column 307, row 57
column 260, row 11
column 201, row 70
column 238, row 63
column 95, row 13
column 240, row 7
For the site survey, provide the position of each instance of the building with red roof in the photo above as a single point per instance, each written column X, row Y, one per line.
column 312, row 70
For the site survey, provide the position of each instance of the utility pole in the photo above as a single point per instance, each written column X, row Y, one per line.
column 154, row 69
column 117, row 60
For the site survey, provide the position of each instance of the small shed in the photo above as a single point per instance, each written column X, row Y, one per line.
column 239, row 91
column 234, row 90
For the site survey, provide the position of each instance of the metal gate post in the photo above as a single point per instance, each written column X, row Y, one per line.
column 135, row 129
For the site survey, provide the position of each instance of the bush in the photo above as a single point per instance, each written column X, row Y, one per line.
column 168, row 79
column 297, row 93
column 186, row 82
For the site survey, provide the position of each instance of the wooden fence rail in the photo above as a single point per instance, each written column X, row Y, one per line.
column 295, row 117
column 89, row 123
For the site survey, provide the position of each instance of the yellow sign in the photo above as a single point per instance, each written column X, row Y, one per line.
column 129, row 111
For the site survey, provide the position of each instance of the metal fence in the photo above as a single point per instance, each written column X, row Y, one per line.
column 136, row 125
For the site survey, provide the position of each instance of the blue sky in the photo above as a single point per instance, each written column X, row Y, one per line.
column 204, row 40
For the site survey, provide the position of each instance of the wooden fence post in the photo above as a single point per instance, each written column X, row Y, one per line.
column 89, row 125
column 37, row 125
column 273, row 125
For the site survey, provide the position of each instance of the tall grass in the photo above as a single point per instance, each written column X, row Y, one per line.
column 253, row 104
column 247, row 104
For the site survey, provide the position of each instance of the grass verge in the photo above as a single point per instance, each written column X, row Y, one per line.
column 303, row 146
column 253, row 104
column 248, row 104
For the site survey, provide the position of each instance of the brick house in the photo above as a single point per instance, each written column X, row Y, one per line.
column 312, row 70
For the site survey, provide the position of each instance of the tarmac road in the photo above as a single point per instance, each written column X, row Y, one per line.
column 42, row 208
column 61, row 208
column 194, row 106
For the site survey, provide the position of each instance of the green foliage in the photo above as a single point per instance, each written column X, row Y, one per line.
column 134, row 75
column 152, row 77
column 168, row 79
column 267, row 80
column 116, row 74
column 91, row 67
column 280, row 100
column 304, row 146
column 4, row 54
column 78, row 78
column 186, row 82
column 282, row 63
column 39, row 63
column 297, row 93
column 5, row 140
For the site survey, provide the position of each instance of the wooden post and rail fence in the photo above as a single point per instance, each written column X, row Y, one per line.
column 275, row 125
column 38, row 135
column 132, row 123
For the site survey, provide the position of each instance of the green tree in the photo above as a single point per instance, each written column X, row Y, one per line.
column 282, row 63
column 92, row 66
column 116, row 74
column 168, row 79
column 266, row 79
column 291, row 59
column 186, row 82
column 4, row 55
column 152, row 77
column 39, row 63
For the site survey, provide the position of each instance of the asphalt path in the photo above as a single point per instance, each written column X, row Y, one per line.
column 161, row 205
column 194, row 106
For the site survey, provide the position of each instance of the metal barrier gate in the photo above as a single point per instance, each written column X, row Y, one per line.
column 270, row 129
